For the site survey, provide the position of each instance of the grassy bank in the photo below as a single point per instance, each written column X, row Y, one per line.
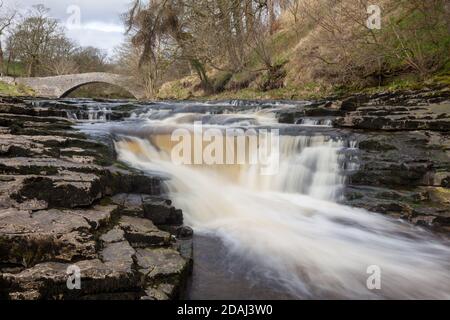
column 187, row 88
column 311, row 58
column 14, row 90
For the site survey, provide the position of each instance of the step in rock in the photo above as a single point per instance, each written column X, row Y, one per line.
column 143, row 233
column 162, row 265
column 49, row 281
column 119, row 256
column 161, row 212
column 68, row 190
column 29, row 239
column 44, row 166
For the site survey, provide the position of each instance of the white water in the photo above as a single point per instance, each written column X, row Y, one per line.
column 315, row 122
column 292, row 227
column 99, row 114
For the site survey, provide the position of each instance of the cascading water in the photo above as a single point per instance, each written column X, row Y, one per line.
column 99, row 114
column 315, row 122
column 290, row 225
column 285, row 231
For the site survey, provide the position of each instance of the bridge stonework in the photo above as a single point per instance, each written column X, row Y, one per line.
column 61, row 86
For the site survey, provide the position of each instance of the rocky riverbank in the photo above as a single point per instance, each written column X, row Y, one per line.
column 65, row 201
column 403, row 143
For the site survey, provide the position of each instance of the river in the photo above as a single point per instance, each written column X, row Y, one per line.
column 280, row 236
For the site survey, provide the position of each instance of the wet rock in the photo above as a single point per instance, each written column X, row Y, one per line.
column 161, row 212
column 184, row 233
column 186, row 248
column 424, row 221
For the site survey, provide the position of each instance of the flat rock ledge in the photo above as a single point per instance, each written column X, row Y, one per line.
column 402, row 154
column 67, row 208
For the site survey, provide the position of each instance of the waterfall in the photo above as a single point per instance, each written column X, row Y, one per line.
column 91, row 114
column 292, row 226
column 315, row 122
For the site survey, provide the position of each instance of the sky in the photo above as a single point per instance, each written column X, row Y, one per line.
column 89, row 22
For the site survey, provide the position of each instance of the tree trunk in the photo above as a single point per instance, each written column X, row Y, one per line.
column 10, row 58
column 1, row 59
column 272, row 17
column 201, row 72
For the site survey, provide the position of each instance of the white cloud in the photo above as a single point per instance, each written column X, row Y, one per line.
column 105, row 40
column 101, row 25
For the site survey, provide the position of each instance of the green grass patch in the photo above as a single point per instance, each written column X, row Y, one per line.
column 14, row 90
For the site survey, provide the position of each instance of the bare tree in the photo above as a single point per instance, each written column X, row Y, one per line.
column 7, row 16
column 210, row 35
column 34, row 38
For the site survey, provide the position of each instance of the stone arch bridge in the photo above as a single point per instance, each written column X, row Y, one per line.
column 61, row 86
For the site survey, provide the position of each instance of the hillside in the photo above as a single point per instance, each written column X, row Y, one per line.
column 319, row 49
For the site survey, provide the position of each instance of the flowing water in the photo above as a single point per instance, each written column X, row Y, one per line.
column 284, row 235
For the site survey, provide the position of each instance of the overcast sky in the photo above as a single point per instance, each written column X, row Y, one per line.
column 100, row 25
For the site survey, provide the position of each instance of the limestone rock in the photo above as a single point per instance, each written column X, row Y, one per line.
column 143, row 233
column 161, row 212
column 113, row 236
column 161, row 264
column 118, row 256
column 49, row 281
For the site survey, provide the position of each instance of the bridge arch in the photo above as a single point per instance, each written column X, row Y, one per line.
column 61, row 86
column 74, row 88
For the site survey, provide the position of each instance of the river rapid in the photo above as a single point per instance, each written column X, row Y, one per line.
column 282, row 236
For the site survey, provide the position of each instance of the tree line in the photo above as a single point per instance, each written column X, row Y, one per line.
column 39, row 44
column 235, row 44
column 329, row 41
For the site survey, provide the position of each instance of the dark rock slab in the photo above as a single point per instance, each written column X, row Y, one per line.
column 161, row 212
